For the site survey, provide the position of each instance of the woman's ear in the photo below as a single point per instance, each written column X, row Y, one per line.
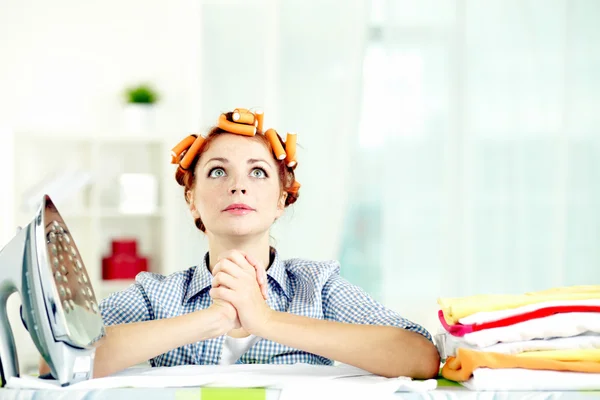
column 189, row 195
column 281, row 203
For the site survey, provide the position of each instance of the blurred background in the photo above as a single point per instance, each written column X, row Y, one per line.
column 448, row 147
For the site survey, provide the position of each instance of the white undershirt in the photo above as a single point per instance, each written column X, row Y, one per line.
column 234, row 348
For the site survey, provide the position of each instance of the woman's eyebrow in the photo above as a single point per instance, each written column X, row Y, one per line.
column 220, row 159
column 255, row 160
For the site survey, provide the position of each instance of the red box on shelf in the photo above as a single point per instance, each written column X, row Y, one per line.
column 124, row 262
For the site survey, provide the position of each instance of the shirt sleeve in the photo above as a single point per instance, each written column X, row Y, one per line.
column 126, row 306
column 345, row 302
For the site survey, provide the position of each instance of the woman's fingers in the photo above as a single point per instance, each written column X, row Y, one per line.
column 229, row 267
column 247, row 264
column 260, row 271
column 225, row 280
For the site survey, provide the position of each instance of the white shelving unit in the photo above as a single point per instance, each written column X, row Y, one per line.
column 92, row 215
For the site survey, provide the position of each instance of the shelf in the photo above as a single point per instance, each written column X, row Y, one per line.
column 93, row 214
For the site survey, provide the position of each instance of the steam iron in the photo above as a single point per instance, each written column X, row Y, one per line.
column 59, row 307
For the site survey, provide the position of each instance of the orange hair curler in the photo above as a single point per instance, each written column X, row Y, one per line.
column 243, row 117
column 259, row 120
column 271, row 134
column 191, row 153
column 181, row 146
column 290, row 149
column 233, row 127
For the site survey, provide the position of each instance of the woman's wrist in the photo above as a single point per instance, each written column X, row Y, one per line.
column 212, row 322
column 268, row 326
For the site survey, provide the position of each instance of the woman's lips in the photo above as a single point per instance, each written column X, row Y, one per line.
column 238, row 209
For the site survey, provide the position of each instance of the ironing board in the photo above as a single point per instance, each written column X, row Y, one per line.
column 446, row 390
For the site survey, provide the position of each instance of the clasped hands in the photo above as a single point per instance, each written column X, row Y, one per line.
column 239, row 292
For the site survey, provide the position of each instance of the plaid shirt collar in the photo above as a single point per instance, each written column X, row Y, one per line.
column 202, row 278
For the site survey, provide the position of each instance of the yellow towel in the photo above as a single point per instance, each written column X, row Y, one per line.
column 461, row 367
column 455, row 308
column 564, row 355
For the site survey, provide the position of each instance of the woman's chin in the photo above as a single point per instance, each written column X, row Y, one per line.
column 240, row 230
column 249, row 225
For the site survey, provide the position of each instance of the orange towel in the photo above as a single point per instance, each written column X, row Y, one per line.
column 461, row 367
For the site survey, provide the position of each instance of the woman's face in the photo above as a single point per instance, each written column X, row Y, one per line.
column 237, row 189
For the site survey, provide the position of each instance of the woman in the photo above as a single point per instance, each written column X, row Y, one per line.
column 243, row 303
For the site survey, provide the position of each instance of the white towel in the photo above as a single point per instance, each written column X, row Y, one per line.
column 485, row 379
column 588, row 340
column 557, row 325
column 489, row 316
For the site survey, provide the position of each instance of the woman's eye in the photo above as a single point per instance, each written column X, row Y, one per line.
column 258, row 173
column 216, row 173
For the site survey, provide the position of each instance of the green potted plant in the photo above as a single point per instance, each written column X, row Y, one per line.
column 140, row 108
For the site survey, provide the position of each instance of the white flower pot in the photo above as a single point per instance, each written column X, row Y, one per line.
column 139, row 118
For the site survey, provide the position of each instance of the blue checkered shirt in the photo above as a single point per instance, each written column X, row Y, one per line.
column 302, row 287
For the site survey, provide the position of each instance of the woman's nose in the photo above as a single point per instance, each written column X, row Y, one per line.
column 238, row 184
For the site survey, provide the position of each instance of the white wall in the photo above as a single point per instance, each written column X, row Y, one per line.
column 65, row 63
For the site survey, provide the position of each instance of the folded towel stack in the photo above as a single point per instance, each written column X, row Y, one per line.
column 548, row 340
